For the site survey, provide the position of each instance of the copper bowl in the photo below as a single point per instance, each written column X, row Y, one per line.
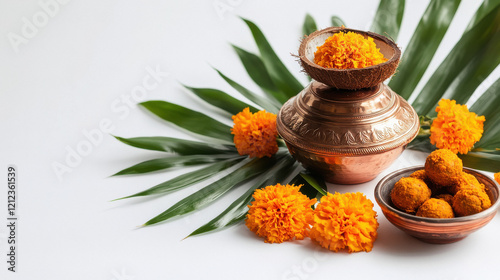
column 348, row 137
column 431, row 230
column 349, row 78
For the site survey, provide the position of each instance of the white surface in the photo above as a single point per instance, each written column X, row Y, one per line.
column 81, row 68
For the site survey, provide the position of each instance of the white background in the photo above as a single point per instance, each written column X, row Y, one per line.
column 78, row 70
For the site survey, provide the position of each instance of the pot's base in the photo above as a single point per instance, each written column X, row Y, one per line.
column 345, row 169
column 340, row 179
column 440, row 241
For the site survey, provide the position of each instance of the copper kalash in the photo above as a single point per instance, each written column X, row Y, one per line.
column 347, row 125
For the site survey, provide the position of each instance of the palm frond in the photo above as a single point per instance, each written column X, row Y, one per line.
column 270, row 105
column 309, row 25
column 171, row 162
column 388, row 18
column 422, row 46
column 213, row 191
column 188, row 179
column 190, row 120
column 488, row 106
column 470, row 62
column 221, row 100
column 178, row 146
column 281, row 76
column 336, row 21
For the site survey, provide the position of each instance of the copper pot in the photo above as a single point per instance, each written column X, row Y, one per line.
column 347, row 136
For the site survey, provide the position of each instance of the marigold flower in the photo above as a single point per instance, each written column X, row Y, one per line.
column 348, row 50
column 280, row 213
column 345, row 221
column 455, row 128
column 255, row 134
column 497, row 177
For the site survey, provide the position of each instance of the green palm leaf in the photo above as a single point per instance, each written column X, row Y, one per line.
column 491, row 136
column 315, row 182
column 423, row 45
column 484, row 9
column 236, row 212
column 471, row 60
column 178, row 146
column 488, row 106
column 388, row 18
column 309, row 25
column 170, row 162
column 190, row 120
column 187, row 179
column 315, row 190
column 482, row 161
column 270, row 105
column 215, row 190
column 336, row 21
column 281, row 76
column 221, row 100
column 422, row 143
column 258, row 73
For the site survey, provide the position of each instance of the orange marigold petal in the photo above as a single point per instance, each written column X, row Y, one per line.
column 497, row 177
column 345, row 221
column 255, row 134
column 280, row 213
column 348, row 50
column 455, row 128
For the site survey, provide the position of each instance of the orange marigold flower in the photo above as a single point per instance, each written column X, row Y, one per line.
column 345, row 221
column 255, row 134
column 280, row 213
column 348, row 50
column 455, row 128
column 497, row 177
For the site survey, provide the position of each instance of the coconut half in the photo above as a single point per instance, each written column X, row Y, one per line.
column 354, row 78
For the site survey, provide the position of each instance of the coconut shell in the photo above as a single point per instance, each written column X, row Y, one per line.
column 355, row 78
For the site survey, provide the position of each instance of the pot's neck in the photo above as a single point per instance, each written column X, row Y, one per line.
column 323, row 101
column 326, row 92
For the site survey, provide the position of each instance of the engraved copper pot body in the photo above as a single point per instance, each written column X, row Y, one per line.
column 347, row 136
